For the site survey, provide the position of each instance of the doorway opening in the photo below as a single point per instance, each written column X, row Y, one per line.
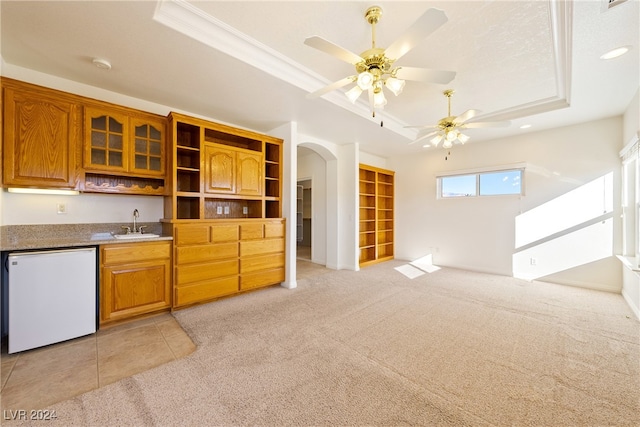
column 303, row 219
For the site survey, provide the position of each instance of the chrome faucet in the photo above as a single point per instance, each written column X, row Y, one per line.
column 136, row 215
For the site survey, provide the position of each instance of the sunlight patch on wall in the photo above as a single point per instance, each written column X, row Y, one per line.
column 568, row 231
column 580, row 205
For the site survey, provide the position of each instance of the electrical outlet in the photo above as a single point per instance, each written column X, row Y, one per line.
column 226, row 210
column 61, row 208
column 533, row 261
column 245, row 210
column 219, row 210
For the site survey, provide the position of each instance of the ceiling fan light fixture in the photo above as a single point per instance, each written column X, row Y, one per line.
column 379, row 99
column 436, row 139
column 354, row 93
column 463, row 138
column 447, row 144
column 451, row 136
column 365, row 80
column 394, row 85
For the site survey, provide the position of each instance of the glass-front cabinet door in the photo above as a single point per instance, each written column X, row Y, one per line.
column 106, row 135
column 124, row 144
column 147, row 154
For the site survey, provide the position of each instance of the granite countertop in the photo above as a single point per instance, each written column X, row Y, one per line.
column 50, row 236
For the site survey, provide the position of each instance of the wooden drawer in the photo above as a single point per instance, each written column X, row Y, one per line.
column 259, row 247
column 262, row 278
column 273, row 229
column 264, row 262
column 224, row 233
column 206, row 290
column 206, row 271
column 251, row 231
column 135, row 252
column 192, row 234
column 204, row 253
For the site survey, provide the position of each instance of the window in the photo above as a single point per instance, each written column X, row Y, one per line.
column 485, row 183
column 458, row 186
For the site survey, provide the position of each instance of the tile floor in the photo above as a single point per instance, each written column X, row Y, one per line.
column 37, row 378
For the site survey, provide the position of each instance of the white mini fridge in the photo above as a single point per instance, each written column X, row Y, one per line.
column 52, row 297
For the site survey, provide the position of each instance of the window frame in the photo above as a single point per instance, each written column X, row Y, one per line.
column 520, row 167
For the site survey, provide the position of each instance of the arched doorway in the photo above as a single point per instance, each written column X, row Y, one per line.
column 317, row 172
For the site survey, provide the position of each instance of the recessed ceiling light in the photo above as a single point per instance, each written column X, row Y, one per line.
column 614, row 53
column 525, row 126
column 101, row 63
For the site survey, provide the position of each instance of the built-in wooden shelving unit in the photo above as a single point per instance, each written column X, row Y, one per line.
column 376, row 204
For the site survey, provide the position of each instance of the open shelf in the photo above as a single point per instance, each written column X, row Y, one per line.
column 233, row 140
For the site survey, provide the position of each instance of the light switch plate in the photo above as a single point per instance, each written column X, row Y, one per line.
column 226, row 210
column 219, row 210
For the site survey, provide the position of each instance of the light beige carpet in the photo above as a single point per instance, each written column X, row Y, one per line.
column 451, row 348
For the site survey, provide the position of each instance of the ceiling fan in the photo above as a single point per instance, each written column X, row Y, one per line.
column 449, row 128
column 375, row 66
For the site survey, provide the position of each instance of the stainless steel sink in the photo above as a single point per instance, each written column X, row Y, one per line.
column 132, row 236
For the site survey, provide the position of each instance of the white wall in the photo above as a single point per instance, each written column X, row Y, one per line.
column 373, row 160
column 25, row 209
column 631, row 119
column 348, row 251
column 479, row 233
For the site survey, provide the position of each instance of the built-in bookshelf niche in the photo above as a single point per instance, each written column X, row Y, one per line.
column 376, row 206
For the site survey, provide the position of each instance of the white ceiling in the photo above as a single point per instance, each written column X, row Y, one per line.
column 245, row 63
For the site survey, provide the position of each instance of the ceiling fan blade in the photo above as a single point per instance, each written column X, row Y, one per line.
column 430, row 21
column 467, row 115
column 425, row 75
column 487, row 125
column 333, row 49
column 332, row 86
column 424, row 137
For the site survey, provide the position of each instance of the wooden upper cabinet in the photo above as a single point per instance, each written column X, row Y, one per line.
column 232, row 171
column 121, row 143
column 249, row 174
column 220, row 169
column 41, row 138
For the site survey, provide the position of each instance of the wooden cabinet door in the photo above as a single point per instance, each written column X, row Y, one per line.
column 147, row 148
column 131, row 289
column 106, row 140
column 249, row 174
column 135, row 279
column 219, row 169
column 41, row 133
